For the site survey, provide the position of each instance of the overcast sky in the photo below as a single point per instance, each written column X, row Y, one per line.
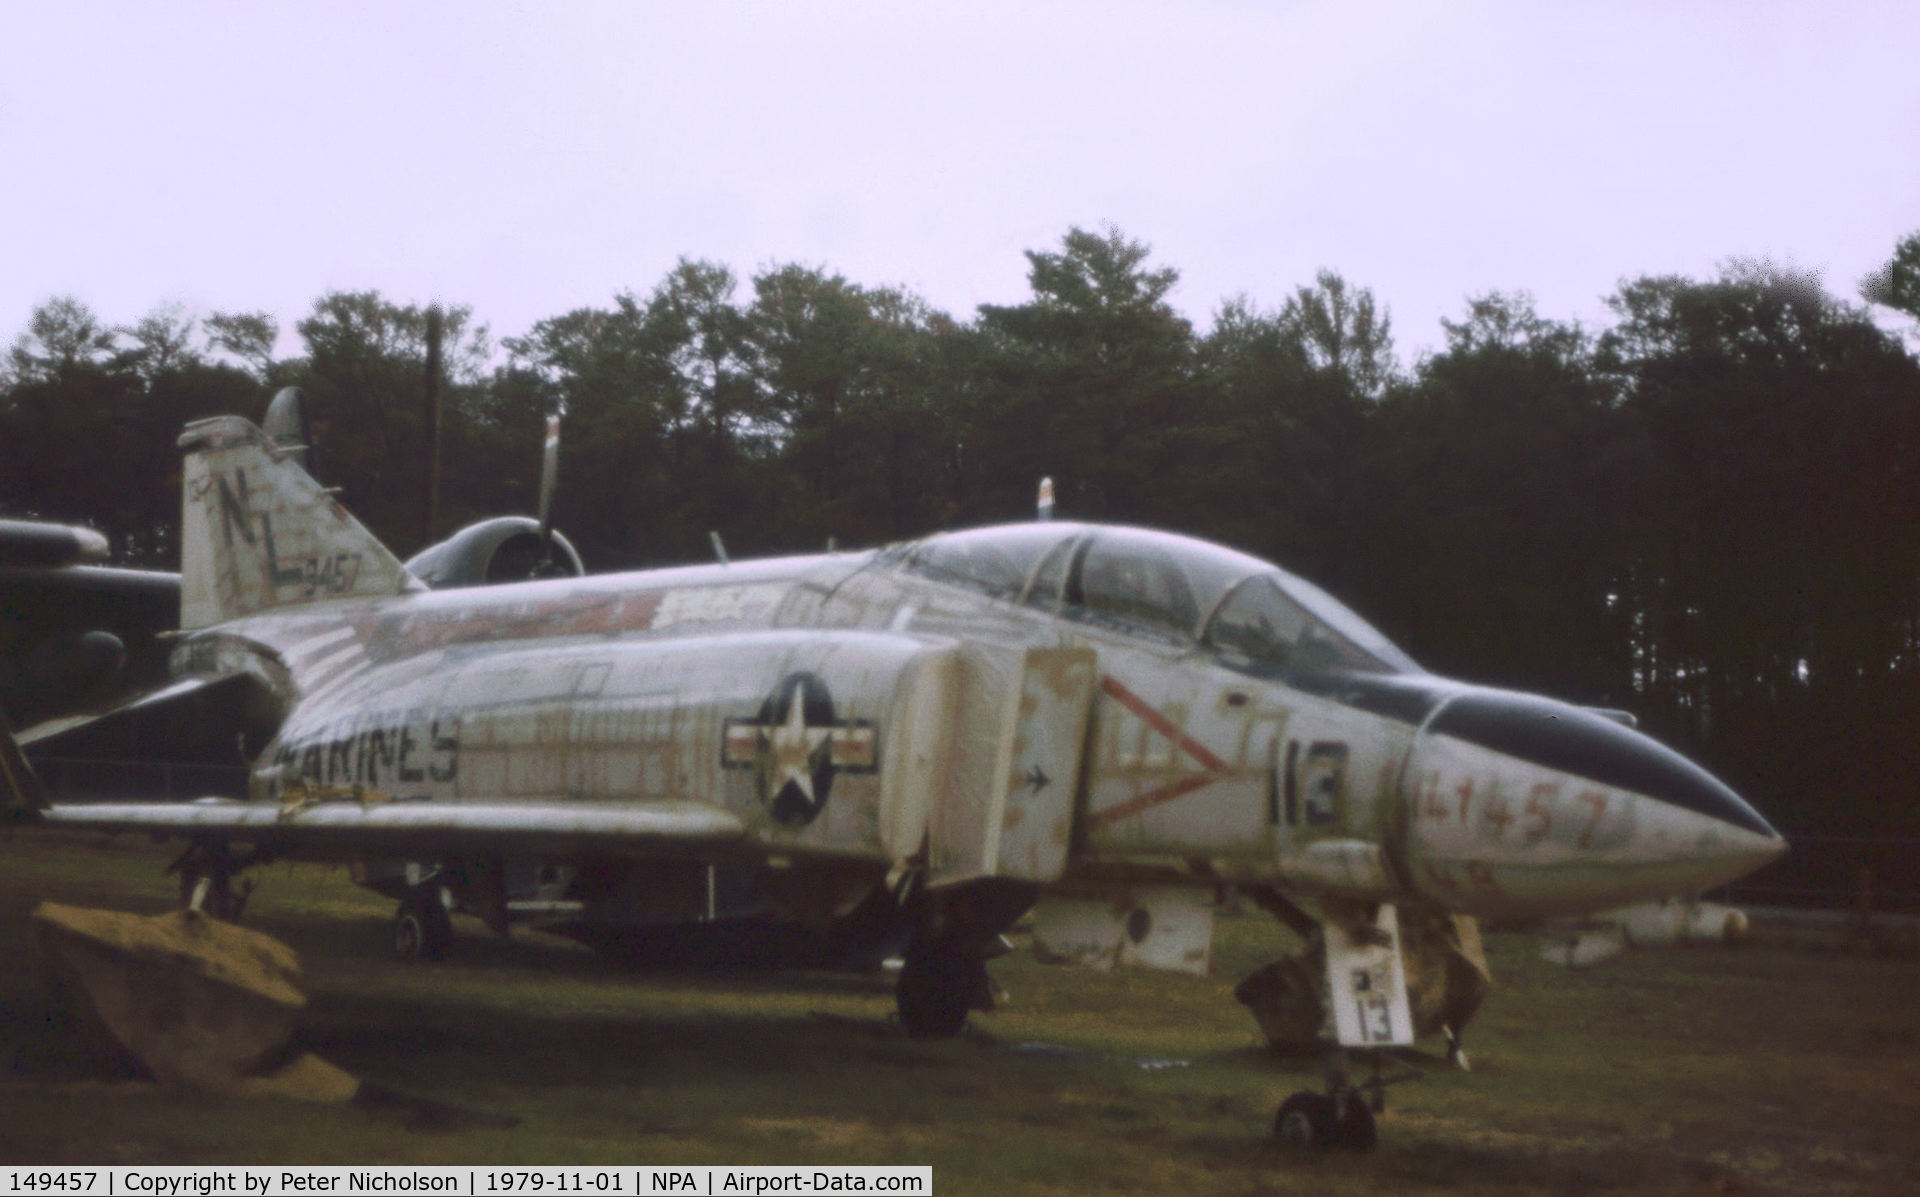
column 532, row 158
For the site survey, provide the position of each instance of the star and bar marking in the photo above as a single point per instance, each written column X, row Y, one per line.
column 797, row 752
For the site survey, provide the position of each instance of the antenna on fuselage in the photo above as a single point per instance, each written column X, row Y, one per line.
column 719, row 550
column 1044, row 510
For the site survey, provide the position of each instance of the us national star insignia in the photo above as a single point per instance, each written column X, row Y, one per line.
column 795, row 747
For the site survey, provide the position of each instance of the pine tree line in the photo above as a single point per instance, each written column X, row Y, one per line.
column 1707, row 511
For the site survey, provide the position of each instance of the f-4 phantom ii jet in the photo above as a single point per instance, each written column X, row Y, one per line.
column 1106, row 726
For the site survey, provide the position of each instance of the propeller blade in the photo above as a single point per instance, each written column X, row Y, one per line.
column 549, row 477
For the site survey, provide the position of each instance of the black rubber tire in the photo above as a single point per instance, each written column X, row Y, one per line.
column 936, row 992
column 1356, row 1130
column 1306, row 1120
column 422, row 928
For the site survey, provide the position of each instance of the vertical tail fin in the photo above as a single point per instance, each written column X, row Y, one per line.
column 258, row 533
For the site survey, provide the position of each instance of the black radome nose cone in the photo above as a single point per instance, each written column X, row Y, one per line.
column 1571, row 740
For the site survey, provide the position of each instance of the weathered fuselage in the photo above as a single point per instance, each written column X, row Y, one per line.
column 866, row 706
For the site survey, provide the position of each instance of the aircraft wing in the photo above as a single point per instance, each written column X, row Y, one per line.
column 74, row 632
column 363, row 824
column 426, row 830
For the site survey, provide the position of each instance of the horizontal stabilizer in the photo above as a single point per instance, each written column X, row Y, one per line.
column 20, row 792
column 53, row 729
column 185, row 739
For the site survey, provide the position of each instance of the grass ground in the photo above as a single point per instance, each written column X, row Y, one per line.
column 1779, row 1068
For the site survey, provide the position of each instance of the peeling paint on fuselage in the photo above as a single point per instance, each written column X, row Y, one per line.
column 619, row 688
column 625, row 688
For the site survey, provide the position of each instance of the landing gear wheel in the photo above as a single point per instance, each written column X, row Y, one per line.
column 1356, row 1130
column 207, row 873
column 1306, row 1120
column 213, row 894
column 422, row 929
column 936, row 992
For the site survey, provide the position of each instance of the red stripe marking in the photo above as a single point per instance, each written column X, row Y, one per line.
column 1160, row 723
column 1150, row 799
column 1165, row 726
column 742, row 744
column 852, row 747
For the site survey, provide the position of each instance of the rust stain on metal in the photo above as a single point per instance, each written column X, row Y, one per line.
column 1061, row 672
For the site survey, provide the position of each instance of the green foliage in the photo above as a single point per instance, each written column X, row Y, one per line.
column 1344, row 333
column 89, row 417
column 363, row 379
column 1092, row 377
column 1500, row 479
column 842, row 388
column 249, row 336
column 1776, row 533
column 1707, row 511
column 1897, row 283
column 63, row 336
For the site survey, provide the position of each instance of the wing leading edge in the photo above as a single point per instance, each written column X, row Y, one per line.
column 430, row 830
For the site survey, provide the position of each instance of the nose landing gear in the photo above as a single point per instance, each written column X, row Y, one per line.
column 1314, row 1120
column 1366, row 1003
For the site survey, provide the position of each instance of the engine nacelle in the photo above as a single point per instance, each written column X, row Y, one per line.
column 36, row 543
column 508, row 548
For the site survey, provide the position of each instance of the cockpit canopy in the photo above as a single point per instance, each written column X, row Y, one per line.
column 1255, row 616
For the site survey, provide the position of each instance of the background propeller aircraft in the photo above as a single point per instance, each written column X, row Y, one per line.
column 1105, row 726
column 74, row 632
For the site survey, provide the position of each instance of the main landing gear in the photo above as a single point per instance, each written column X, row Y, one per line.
column 940, row 984
column 422, row 928
column 207, row 872
column 956, row 931
column 430, row 893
